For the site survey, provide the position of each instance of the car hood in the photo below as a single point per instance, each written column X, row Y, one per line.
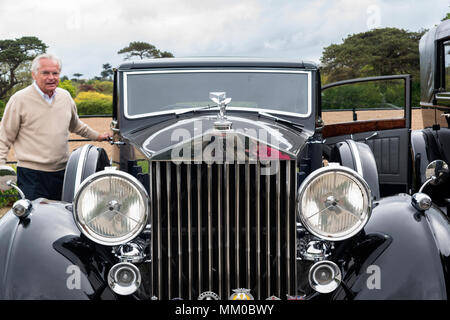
column 197, row 139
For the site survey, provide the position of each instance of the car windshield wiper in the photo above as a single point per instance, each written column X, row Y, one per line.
column 297, row 126
column 174, row 115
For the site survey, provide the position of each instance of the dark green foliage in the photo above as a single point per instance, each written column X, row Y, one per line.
column 373, row 53
column 6, row 198
column 107, row 72
column 105, row 87
column 68, row 85
column 377, row 52
column 143, row 50
column 13, row 55
column 369, row 95
column 2, row 108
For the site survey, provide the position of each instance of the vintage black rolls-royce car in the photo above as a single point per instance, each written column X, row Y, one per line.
column 228, row 182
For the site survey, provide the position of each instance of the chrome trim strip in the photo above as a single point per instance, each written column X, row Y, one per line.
column 199, row 226
column 299, row 115
column 236, row 222
column 219, row 225
column 356, row 156
column 189, row 208
column 228, row 228
column 294, row 226
column 247, row 221
column 158, row 212
column 169, row 243
column 278, row 213
column 210, row 248
column 268, row 234
column 80, row 166
column 258, row 229
column 180, row 249
column 152, row 233
column 288, row 226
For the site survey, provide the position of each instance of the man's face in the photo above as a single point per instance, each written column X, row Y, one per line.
column 47, row 76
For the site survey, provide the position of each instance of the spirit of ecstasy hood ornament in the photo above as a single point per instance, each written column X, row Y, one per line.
column 222, row 101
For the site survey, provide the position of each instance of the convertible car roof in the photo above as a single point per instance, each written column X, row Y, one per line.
column 218, row 62
column 428, row 64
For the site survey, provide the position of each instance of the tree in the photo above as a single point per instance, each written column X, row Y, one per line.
column 143, row 50
column 107, row 71
column 376, row 52
column 14, row 55
column 165, row 54
column 77, row 76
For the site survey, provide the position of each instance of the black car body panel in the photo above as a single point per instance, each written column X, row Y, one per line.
column 406, row 260
column 432, row 80
column 156, row 139
column 30, row 256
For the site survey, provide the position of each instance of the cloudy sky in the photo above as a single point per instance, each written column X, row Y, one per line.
column 88, row 33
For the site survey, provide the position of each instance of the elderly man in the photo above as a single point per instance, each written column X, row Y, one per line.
column 37, row 121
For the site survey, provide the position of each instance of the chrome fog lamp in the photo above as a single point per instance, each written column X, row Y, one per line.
column 334, row 203
column 325, row 276
column 21, row 208
column 124, row 278
column 111, row 207
column 421, row 201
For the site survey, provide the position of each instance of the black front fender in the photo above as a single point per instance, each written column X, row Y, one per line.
column 34, row 263
column 412, row 262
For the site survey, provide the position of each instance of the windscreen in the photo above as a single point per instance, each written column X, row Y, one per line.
column 150, row 92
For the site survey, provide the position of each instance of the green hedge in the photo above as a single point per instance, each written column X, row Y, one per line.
column 105, row 87
column 7, row 201
column 5, row 196
column 2, row 108
column 93, row 103
column 68, row 85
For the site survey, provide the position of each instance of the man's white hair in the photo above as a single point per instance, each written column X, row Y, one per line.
column 35, row 65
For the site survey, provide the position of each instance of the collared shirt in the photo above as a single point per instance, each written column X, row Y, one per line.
column 44, row 95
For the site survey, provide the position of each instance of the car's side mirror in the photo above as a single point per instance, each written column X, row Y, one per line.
column 8, row 180
column 7, row 177
column 436, row 170
column 435, row 173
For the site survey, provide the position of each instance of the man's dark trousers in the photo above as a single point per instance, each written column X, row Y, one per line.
column 40, row 184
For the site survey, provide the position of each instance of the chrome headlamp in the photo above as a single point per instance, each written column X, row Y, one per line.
column 111, row 207
column 334, row 203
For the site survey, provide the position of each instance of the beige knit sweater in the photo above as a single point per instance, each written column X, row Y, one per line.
column 39, row 131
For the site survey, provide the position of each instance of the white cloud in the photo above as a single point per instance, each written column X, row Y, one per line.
column 88, row 33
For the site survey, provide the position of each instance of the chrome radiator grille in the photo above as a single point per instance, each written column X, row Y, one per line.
column 221, row 227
